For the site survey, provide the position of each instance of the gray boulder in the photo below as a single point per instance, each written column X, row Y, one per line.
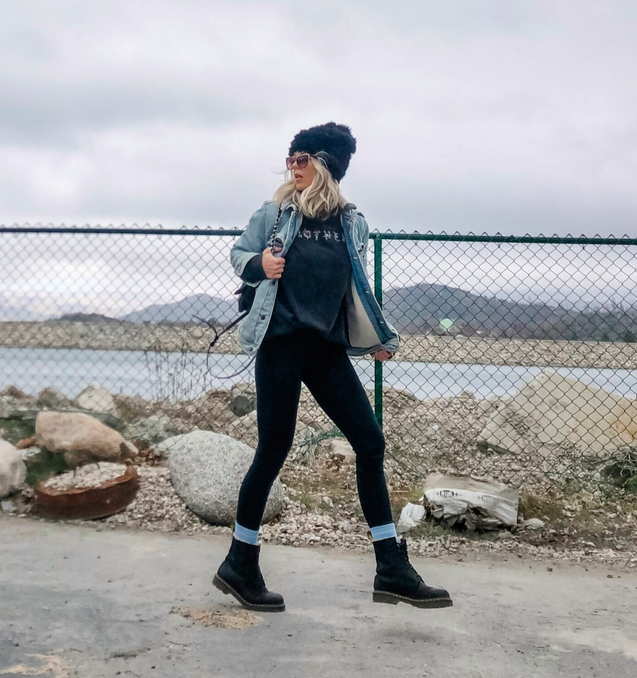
column 207, row 470
column 154, row 429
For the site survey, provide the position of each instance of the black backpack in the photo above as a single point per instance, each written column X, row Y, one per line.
column 246, row 294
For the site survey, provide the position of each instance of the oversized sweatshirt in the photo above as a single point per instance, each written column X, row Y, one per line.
column 311, row 291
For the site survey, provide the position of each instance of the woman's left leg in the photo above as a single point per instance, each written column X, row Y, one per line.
column 332, row 380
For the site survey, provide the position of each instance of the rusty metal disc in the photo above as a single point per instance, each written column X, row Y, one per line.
column 87, row 503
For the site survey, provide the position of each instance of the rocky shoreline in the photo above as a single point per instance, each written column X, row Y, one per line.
column 130, row 336
column 334, row 520
column 321, row 508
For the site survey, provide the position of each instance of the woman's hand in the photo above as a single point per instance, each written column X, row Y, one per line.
column 382, row 354
column 273, row 266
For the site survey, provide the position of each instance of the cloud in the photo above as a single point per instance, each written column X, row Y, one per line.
column 494, row 116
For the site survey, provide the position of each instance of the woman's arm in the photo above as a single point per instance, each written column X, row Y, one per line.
column 382, row 354
column 245, row 255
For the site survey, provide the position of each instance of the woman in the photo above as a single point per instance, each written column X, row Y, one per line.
column 313, row 307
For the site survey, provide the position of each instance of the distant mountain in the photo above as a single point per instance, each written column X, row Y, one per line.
column 420, row 308
column 414, row 307
column 185, row 310
column 86, row 318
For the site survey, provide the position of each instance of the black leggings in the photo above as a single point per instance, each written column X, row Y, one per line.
column 282, row 363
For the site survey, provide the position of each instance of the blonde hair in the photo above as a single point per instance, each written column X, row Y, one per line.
column 320, row 199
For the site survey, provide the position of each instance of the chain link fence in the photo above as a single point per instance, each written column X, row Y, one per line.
column 518, row 359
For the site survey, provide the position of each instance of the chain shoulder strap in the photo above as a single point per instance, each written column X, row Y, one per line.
column 276, row 228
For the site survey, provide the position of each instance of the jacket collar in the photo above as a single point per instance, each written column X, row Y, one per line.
column 287, row 204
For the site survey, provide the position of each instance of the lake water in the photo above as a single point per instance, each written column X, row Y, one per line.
column 176, row 375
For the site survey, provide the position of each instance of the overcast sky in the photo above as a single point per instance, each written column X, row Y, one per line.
column 475, row 116
column 471, row 115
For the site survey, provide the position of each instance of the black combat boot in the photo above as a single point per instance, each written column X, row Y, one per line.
column 396, row 580
column 240, row 576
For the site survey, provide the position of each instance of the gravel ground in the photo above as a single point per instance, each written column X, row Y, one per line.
column 319, row 511
column 89, row 475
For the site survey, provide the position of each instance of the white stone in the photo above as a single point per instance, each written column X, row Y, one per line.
column 410, row 517
column 12, row 469
column 533, row 524
column 339, row 449
column 89, row 475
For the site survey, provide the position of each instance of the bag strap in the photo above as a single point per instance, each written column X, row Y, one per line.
column 236, row 320
column 276, row 227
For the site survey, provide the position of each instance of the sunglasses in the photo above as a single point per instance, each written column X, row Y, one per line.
column 301, row 161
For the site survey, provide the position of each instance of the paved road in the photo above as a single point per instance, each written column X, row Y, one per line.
column 76, row 602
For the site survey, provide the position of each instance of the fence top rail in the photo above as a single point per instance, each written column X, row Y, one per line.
column 374, row 235
column 121, row 230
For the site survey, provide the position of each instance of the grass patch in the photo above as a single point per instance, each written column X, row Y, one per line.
column 622, row 470
column 549, row 507
column 307, row 500
column 44, row 465
column 14, row 430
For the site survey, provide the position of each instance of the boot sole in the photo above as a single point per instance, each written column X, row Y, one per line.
column 394, row 599
column 224, row 587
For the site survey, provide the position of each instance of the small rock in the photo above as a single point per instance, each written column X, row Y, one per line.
column 243, row 398
column 51, row 397
column 533, row 524
column 96, row 398
column 89, row 475
column 14, row 392
column 152, row 430
column 339, row 449
column 8, row 506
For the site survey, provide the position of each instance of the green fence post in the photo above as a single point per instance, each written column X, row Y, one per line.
column 378, row 365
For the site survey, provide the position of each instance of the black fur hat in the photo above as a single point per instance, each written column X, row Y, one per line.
column 336, row 140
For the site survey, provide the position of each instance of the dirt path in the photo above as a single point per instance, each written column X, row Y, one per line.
column 76, row 602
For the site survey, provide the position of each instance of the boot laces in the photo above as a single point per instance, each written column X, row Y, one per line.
column 256, row 571
column 402, row 549
column 259, row 577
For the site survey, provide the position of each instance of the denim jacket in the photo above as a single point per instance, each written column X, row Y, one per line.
column 369, row 329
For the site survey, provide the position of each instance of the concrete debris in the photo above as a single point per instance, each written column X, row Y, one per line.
column 478, row 504
column 410, row 516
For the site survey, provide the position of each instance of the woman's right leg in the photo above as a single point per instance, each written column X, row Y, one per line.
column 278, row 383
